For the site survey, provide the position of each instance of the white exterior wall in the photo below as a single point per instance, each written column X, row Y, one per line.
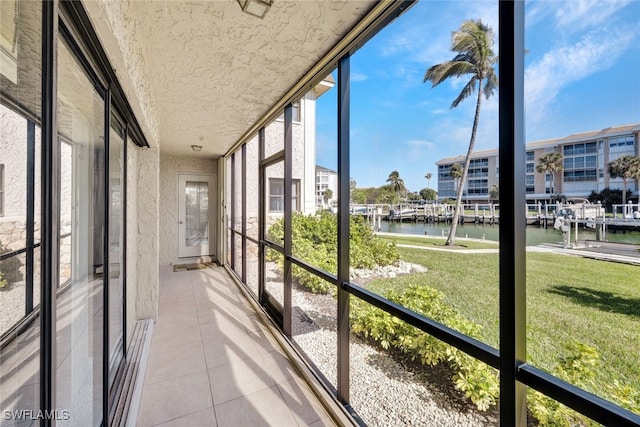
column 13, row 155
column 308, row 105
column 131, row 226
column 147, row 236
column 170, row 168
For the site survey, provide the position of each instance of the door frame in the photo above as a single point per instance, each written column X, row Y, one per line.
column 213, row 194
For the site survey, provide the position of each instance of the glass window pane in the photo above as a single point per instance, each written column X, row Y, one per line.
column 228, row 211
column 582, row 313
column 314, row 324
column 80, row 303
column 252, row 267
column 116, row 245
column 274, row 276
column 197, row 213
column 237, row 197
column 20, row 106
column 316, row 185
column 252, row 188
column 274, row 138
column 274, row 203
column 397, row 124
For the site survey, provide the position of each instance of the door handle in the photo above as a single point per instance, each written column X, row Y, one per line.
column 179, row 222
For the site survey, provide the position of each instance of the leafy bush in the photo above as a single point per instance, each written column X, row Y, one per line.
column 477, row 380
column 626, row 396
column 9, row 269
column 578, row 369
column 315, row 240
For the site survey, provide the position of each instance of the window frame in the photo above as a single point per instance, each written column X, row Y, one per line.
column 295, row 194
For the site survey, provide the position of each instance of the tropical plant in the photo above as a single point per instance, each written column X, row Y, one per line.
column 550, row 162
column 10, row 268
column 478, row 381
column 314, row 240
column 626, row 167
column 428, row 194
column 352, row 188
column 494, row 193
column 396, row 182
column 473, row 46
column 327, row 195
column 429, row 175
column 608, row 197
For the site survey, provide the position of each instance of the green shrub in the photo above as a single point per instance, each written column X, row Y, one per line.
column 9, row 269
column 578, row 369
column 314, row 239
column 626, row 396
column 477, row 380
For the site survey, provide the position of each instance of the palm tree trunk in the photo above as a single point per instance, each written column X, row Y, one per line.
column 624, row 193
column 456, row 214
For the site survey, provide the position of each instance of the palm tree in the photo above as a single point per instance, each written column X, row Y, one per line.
column 494, row 193
column 550, row 162
column 472, row 44
column 625, row 167
column 396, row 182
column 456, row 174
column 429, row 175
column 327, row 195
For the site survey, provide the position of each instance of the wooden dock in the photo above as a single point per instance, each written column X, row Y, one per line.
column 585, row 215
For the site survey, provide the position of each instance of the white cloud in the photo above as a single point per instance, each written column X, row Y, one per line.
column 358, row 77
column 417, row 149
column 420, row 143
column 546, row 77
column 580, row 14
column 573, row 16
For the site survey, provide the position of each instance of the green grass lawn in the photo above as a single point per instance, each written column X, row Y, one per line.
column 440, row 242
column 568, row 298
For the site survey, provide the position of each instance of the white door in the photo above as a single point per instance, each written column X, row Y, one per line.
column 196, row 225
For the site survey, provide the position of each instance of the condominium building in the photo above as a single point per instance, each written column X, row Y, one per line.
column 586, row 157
column 326, row 179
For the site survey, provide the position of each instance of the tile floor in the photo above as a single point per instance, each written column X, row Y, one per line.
column 213, row 363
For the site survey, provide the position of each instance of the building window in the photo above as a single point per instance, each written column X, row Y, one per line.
column 276, row 195
column 621, row 141
column 530, row 156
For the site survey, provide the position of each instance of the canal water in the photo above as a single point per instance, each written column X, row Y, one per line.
column 535, row 235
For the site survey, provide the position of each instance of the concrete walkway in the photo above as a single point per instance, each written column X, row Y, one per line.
column 549, row 248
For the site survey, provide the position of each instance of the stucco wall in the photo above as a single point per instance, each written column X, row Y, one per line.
column 170, row 167
column 147, row 245
column 116, row 26
column 132, row 237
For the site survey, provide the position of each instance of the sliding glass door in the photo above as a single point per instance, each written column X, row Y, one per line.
column 80, row 299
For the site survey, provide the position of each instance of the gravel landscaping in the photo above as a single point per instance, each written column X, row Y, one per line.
column 385, row 389
column 12, row 300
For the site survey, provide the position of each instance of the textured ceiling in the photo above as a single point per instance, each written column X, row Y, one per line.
column 210, row 70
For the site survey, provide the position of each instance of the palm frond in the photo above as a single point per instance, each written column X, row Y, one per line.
column 490, row 83
column 441, row 72
column 468, row 89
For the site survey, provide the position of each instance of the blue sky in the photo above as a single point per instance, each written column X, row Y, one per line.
column 581, row 73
